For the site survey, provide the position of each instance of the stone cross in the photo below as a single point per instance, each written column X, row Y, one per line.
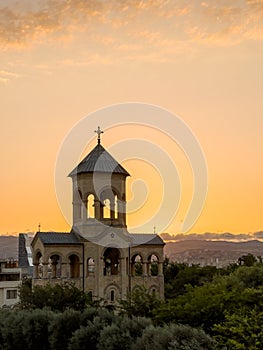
column 98, row 132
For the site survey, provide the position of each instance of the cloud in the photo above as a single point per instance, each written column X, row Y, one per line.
column 210, row 236
column 6, row 76
column 130, row 25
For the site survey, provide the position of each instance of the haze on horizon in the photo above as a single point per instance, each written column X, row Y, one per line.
column 201, row 60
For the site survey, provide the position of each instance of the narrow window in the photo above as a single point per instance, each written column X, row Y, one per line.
column 106, row 211
column 112, row 295
column 90, row 207
column 115, row 207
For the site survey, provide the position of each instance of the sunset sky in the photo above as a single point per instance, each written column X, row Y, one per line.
column 200, row 60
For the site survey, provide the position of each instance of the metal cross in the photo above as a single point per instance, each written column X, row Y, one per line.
column 98, row 132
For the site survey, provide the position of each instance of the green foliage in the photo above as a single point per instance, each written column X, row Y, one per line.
column 247, row 260
column 62, row 327
column 140, row 303
column 177, row 276
column 114, row 337
column 59, row 297
column 25, row 329
column 225, row 303
column 174, row 337
column 206, row 305
column 241, row 330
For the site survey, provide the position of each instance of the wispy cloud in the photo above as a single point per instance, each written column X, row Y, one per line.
column 6, row 76
column 131, row 25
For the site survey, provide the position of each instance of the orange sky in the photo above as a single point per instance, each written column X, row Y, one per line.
column 201, row 60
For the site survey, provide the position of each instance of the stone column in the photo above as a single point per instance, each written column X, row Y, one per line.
column 64, row 268
column 160, row 269
column 35, row 272
column 144, row 268
column 97, row 213
column 45, row 270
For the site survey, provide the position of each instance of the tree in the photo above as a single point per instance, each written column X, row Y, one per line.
column 62, row 327
column 59, row 297
column 247, row 260
column 140, row 303
column 241, row 330
column 174, row 337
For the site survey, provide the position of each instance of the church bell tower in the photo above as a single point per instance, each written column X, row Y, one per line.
column 99, row 190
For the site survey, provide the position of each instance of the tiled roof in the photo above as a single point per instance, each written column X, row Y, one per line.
column 58, row 238
column 146, row 238
column 99, row 160
column 64, row 238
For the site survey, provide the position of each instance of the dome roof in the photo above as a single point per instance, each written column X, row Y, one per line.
column 99, row 160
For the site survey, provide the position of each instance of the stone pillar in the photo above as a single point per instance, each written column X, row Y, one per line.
column 123, row 267
column 83, row 211
column 132, row 264
column 35, row 272
column 144, row 268
column 97, row 213
column 64, row 269
column 45, row 270
column 160, row 269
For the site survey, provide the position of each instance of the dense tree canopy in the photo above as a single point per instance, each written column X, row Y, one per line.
column 205, row 308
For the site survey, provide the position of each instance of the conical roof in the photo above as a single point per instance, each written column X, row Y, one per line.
column 99, row 160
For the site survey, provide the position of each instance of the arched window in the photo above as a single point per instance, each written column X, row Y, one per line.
column 112, row 295
column 74, row 266
column 106, row 209
column 136, row 265
column 90, row 295
column 111, row 262
column 90, row 207
column 39, row 266
column 115, row 207
column 55, row 265
column 153, row 265
column 90, row 266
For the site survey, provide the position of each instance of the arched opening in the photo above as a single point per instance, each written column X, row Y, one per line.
column 136, row 265
column 90, row 207
column 55, row 265
column 74, row 266
column 106, row 209
column 152, row 265
column 112, row 296
column 111, row 262
column 115, row 207
column 90, row 296
column 90, row 266
column 39, row 266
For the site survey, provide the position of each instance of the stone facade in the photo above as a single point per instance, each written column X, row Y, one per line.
column 99, row 254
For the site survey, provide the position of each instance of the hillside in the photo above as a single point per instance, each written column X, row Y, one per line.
column 219, row 253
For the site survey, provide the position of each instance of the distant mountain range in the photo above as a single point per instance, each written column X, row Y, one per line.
column 192, row 251
column 204, row 252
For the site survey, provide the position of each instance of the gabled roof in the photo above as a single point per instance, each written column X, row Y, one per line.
column 99, row 160
column 57, row 238
column 146, row 239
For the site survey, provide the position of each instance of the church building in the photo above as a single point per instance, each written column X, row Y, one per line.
column 99, row 254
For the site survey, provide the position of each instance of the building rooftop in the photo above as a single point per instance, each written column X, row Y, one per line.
column 99, row 160
column 57, row 238
column 71, row 238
